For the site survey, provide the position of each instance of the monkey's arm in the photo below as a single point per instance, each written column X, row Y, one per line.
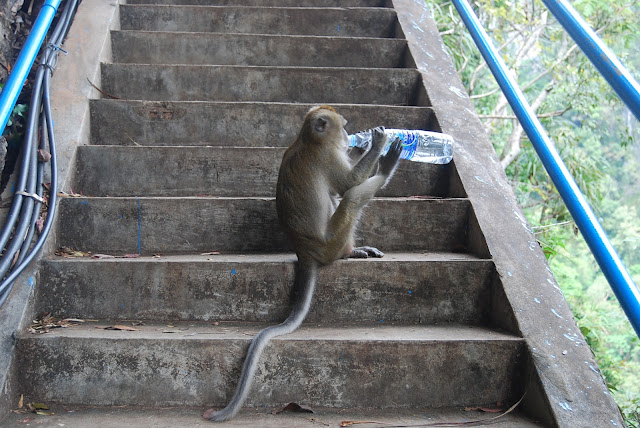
column 364, row 167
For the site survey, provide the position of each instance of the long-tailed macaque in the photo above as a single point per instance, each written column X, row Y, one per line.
column 315, row 171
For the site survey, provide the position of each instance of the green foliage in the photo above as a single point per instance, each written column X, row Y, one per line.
column 15, row 124
column 596, row 136
column 18, row 110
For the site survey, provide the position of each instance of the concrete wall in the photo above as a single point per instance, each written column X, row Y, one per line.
column 70, row 94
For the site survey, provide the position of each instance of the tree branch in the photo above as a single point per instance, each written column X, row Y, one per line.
column 511, row 117
column 513, row 147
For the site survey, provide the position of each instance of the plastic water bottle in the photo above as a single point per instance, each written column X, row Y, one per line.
column 417, row 145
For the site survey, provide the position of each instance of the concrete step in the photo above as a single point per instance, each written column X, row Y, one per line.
column 409, row 288
column 218, row 171
column 154, row 47
column 270, row 84
column 349, row 366
column 199, row 224
column 338, row 22
column 118, row 417
column 272, row 3
column 252, row 124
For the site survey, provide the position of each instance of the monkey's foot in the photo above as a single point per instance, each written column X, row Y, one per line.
column 214, row 415
column 365, row 252
column 207, row 414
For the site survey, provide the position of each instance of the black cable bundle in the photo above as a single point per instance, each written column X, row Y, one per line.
column 16, row 239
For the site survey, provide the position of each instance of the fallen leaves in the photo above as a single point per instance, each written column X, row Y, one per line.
column 37, row 408
column 109, row 256
column 43, row 155
column 69, row 253
column 70, row 194
column 46, row 322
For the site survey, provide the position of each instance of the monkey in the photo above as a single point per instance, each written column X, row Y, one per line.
column 315, row 170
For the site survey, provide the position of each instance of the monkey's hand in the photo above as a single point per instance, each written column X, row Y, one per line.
column 378, row 139
column 389, row 162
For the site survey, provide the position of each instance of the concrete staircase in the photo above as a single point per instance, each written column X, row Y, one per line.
column 181, row 169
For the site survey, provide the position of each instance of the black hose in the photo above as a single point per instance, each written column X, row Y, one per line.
column 31, row 172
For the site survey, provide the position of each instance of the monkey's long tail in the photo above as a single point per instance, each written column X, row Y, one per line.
column 305, row 282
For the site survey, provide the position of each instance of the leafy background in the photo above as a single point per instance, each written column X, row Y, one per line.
column 596, row 135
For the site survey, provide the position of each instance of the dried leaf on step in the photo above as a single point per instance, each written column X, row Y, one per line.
column 68, row 252
column 119, row 327
column 497, row 409
column 44, row 156
column 211, row 253
column 38, row 406
column 71, row 194
column 40, row 223
column 350, row 423
column 72, row 320
column 103, row 256
column 293, row 407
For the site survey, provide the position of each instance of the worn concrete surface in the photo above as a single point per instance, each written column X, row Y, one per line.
column 154, row 47
column 216, row 171
column 339, row 22
column 248, row 124
column 191, row 364
column 399, row 288
column 199, row 224
column 395, row 86
column 97, row 417
column 444, row 365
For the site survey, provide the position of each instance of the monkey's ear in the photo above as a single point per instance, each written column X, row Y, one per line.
column 320, row 124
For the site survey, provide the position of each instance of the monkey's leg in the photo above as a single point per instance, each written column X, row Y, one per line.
column 341, row 226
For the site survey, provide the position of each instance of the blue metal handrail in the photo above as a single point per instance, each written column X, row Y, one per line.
column 623, row 286
column 25, row 60
column 604, row 60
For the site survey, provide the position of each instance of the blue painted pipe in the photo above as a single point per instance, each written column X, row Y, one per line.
column 615, row 272
column 602, row 58
column 23, row 64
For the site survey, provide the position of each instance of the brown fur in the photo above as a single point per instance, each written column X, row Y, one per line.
column 314, row 173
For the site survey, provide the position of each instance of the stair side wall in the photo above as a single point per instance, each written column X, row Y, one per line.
column 563, row 373
column 87, row 45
